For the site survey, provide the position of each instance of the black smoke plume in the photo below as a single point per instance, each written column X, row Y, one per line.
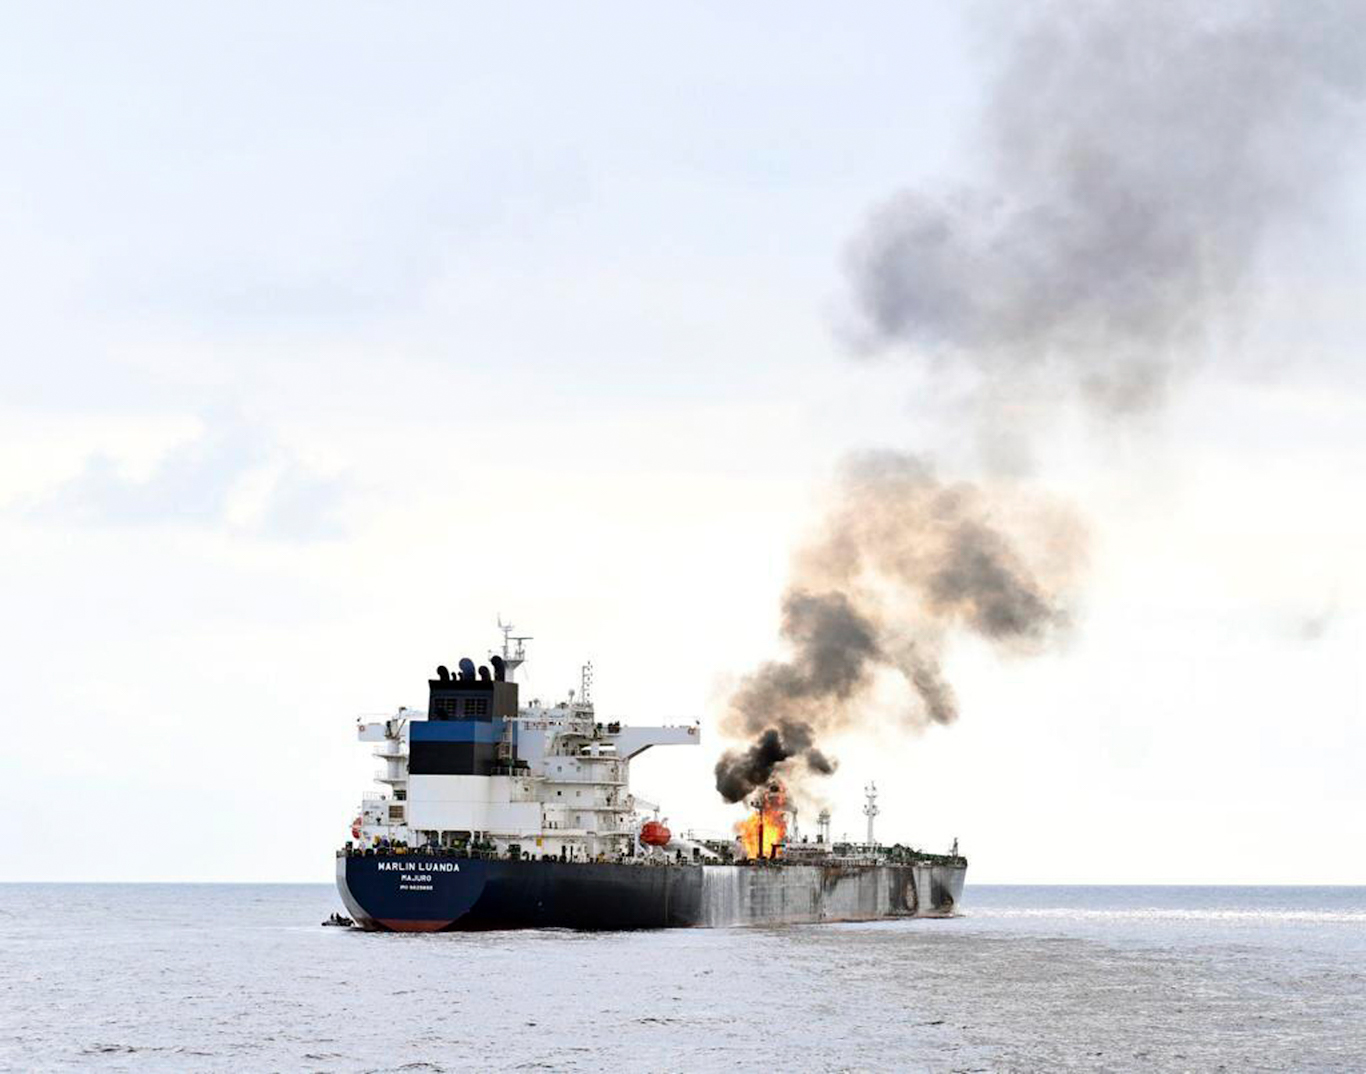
column 902, row 560
column 1135, row 157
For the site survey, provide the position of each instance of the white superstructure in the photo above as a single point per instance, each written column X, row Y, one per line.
column 557, row 783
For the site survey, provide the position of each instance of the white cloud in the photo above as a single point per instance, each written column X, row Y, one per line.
column 232, row 475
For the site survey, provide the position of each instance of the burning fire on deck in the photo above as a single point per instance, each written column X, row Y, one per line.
column 764, row 830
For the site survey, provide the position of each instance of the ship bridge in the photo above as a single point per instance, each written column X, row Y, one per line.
column 478, row 767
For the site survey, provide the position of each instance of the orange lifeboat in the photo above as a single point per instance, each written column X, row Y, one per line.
column 654, row 834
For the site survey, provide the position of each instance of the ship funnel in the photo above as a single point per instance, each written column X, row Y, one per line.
column 499, row 668
column 466, row 669
column 443, row 673
column 484, row 674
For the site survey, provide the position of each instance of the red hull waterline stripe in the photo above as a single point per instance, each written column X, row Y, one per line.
column 414, row 926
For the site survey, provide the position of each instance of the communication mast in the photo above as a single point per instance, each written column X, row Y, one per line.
column 871, row 810
column 513, row 657
column 823, row 827
column 586, row 684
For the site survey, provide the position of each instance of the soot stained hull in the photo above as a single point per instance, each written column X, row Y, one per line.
column 412, row 893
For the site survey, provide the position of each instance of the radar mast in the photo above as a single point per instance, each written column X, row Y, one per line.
column 514, row 656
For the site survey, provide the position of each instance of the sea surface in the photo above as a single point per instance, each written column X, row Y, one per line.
column 242, row 978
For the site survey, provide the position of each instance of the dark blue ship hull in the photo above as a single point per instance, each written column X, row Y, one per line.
column 415, row 893
column 418, row 893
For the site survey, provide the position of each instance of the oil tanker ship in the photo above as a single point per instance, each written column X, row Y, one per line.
column 496, row 814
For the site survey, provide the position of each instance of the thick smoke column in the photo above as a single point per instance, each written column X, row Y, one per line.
column 1136, row 157
column 902, row 559
column 835, row 650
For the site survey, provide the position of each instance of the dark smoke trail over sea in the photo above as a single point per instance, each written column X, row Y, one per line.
column 1135, row 159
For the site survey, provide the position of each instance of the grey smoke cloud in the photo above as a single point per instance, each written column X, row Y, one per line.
column 1135, row 158
column 942, row 550
column 901, row 560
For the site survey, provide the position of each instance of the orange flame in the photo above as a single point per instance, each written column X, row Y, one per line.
column 768, row 822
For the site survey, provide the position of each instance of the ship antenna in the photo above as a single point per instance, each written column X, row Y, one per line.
column 513, row 656
column 871, row 810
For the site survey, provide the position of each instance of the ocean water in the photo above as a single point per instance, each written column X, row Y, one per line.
column 242, row 978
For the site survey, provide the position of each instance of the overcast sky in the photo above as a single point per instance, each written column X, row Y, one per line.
column 330, row 333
